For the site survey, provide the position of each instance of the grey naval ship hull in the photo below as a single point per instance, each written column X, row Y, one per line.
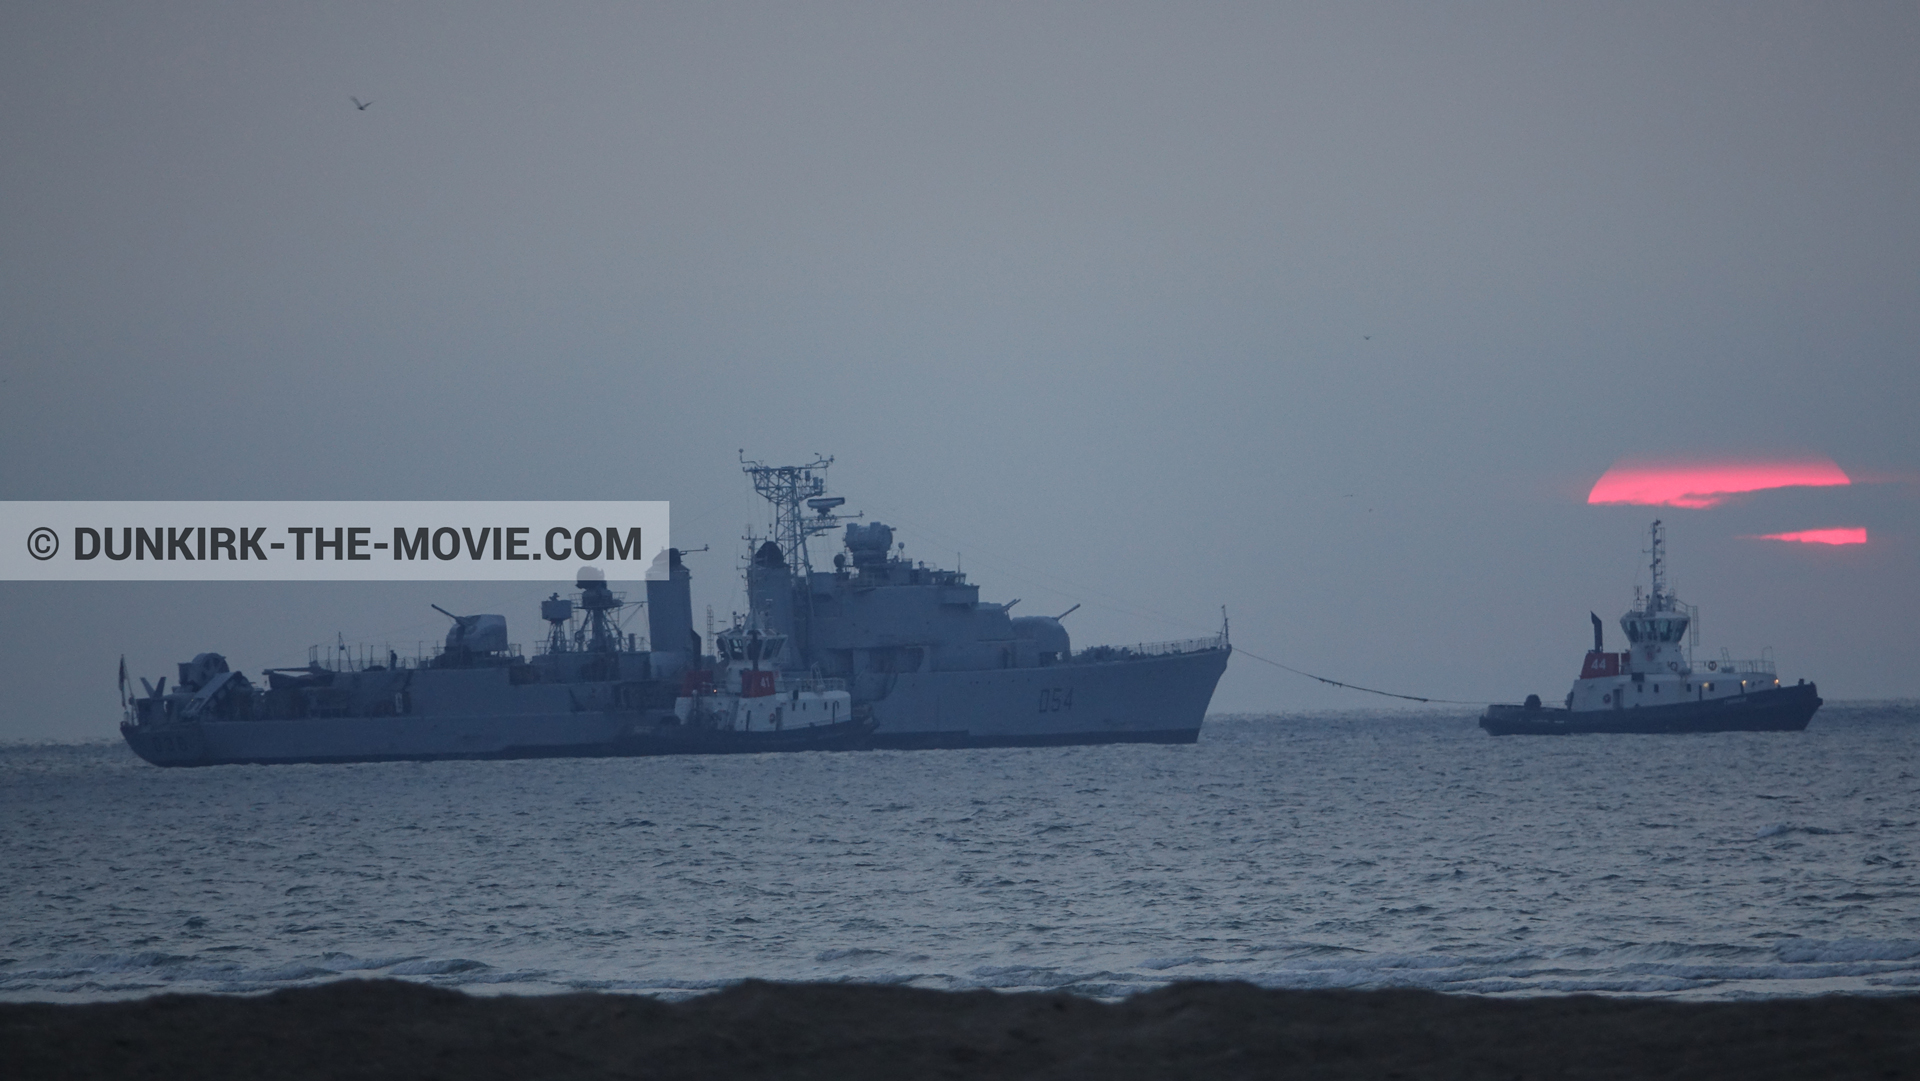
column 354, row 739
column 1783, row 709
column 1152, row 699
column 1156, row 699
column 376, row 739
column 1142, row 700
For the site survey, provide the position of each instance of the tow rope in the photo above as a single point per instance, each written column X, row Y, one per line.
column 1352, row 686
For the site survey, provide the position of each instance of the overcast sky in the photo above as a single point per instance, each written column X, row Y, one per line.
column 1329, row 314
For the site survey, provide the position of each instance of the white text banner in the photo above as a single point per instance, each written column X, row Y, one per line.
column 329, row 541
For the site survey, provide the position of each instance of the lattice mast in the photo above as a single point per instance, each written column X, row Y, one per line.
column 793, row 490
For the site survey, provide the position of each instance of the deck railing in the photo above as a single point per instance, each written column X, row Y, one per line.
column 1720, row 666
column 830, row 683
column 1097, row 654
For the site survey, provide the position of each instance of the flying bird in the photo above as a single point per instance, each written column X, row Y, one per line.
column 358, row 104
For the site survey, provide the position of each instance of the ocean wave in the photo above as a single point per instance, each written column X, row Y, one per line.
column 1850, row 949
column 436, row 968
column 1161, row 964
column 1781, row 829
column 349, row 963
column 855, row 953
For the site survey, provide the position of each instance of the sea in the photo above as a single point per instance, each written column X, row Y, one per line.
column 1344, row 850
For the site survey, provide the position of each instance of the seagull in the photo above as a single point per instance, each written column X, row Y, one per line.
column 358, row 104
column 1363, row 337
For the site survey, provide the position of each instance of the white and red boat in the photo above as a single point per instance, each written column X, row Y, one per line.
column 1656, row 685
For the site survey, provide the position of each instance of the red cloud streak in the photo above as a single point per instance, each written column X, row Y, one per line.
column 1705, row 484
column 1857, row 535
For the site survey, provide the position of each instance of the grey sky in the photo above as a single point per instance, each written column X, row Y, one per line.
column 1119, row 301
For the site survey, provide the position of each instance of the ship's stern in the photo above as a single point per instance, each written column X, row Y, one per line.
column 167, row 745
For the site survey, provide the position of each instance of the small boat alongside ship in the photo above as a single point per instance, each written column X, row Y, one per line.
column 1655, row 686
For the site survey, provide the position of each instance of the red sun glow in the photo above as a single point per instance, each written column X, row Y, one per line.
column 1821, row 536
column 1706, row 484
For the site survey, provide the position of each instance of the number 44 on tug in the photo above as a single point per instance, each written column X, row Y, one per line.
column 1655, row 686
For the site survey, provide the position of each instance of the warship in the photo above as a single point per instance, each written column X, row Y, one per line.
column 1655, row 686
column 879, row 652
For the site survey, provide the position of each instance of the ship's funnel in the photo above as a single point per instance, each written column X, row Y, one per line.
column 770, row 589
column 670, row 607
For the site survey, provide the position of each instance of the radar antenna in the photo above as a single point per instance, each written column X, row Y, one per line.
column 557, row 611
column 602, row 607
column 788, row 487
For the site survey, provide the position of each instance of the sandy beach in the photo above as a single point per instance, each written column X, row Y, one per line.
column 393, row 1029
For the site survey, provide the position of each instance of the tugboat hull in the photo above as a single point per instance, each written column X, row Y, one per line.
column 1783, row 709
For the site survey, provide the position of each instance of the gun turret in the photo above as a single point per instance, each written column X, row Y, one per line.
column 474, row 634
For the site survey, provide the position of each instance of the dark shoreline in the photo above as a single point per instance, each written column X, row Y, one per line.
column 394, row 1029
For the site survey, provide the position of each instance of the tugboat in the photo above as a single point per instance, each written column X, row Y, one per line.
column 765, row 707
column 1656, row 687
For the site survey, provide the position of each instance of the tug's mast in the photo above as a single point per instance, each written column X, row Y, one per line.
column 1661, row 601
